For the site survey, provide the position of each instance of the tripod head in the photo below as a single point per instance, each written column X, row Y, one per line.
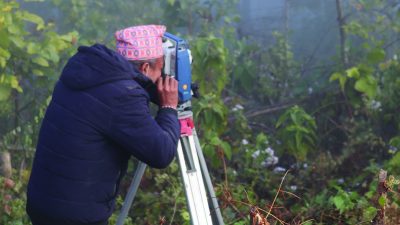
column 177, row 63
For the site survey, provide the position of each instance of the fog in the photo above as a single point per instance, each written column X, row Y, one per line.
column 298, row 111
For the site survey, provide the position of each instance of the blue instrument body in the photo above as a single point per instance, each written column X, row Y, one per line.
column 183, row 73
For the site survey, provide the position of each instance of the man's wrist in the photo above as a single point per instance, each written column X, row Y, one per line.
column 168, row 107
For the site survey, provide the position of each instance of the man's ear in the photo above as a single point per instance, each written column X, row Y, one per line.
column 144, row 68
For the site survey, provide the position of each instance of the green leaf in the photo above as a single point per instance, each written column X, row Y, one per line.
column 14, row 29
column 50, row 53
column 185, row 215
column 307, row 223
column 41, row 61
column 4, row 53
column 215, row 141
column 38, row 72
column 382, row 201
column 243, row 222
column 227, row 150
column 338, row 76
column 32, row 48
column 71, row 37
column 298, row 139
column 171, row 2
column 291, row 128
column 282, row 119
column 394, row 162
column 261, row 139
column 395, row 142
column 353, row 72
column 19, row 42
column 295, row 117
column 367, row 85
column 5, row 92
column 4, row 38
column 3, row 62
column 339, row 203
column 34, row 19
column 15, row 84
column 369, row 213
column 376, row 55
column 4, row 56
column 208, row 150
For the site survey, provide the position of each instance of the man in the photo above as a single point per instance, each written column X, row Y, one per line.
column 98, row 117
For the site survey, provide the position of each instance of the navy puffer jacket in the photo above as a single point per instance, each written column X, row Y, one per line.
column 98, row 117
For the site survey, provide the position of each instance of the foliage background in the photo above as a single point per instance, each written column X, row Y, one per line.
column 330, row 118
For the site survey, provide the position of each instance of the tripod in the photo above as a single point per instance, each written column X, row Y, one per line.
column 195, row 176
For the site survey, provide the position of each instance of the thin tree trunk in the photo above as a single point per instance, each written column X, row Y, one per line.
column 286, row 57
column 5, row 164
column 382, row 191
column 16, row 109
column 342, row 32
column 343, row 54
column 286, row 19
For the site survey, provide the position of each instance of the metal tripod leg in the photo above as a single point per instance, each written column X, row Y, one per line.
column 193, row 183
column 131, row 193
column 207, row 179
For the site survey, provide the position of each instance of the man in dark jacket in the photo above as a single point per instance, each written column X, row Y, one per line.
column 98, row 117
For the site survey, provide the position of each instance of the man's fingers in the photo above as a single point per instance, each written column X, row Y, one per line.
column 159, row 84
column 174, row 84
column 166, row 81
column 170, row 79
column 167, row 84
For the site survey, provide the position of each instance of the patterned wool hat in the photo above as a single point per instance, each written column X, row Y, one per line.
column 140, row 42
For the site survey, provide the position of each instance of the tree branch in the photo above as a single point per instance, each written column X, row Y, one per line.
column 268, row 110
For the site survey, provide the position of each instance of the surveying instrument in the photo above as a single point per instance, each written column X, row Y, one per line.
column 195, row 176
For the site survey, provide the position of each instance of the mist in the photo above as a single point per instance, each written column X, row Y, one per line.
column 297, row 118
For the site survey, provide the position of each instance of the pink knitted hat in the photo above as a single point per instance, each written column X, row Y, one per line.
column 140, row 42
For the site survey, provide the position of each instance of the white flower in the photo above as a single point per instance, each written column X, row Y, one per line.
column 279, row 169
column 340, row 180
column 375, row 104
column 245, row 142
column 255, row 154
column 237, row 107
column 293, row 187
column 276, row 160
column 395, row 57
column 310, row 90
column 270, row 151
column 392, row 149
column 305, row 165
column 270, row 161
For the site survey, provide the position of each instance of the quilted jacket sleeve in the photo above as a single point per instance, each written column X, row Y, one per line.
column 152, row 141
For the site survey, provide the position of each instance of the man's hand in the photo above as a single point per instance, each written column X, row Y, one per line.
column 167, row 89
